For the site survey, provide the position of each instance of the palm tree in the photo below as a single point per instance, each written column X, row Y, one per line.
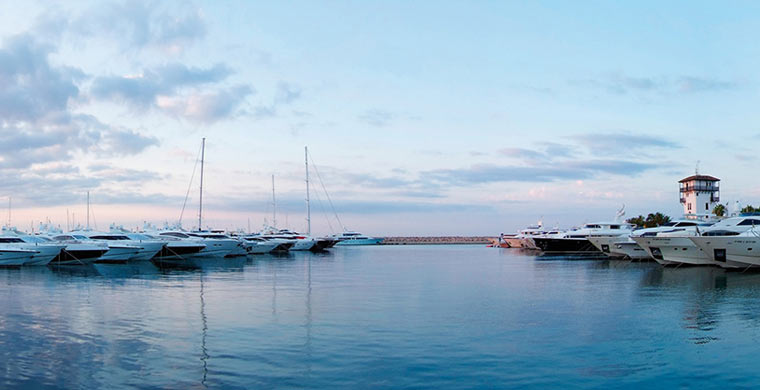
column 656, row 219
column 638, row 221
column 719, row 210
column 749, row 209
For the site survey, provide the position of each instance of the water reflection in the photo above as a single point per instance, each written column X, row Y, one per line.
column 706, row 294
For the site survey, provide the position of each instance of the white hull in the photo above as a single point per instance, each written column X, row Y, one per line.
column 261, row 248
column 631, row 250
column 674, row 250
column 45, row 254
column 605, row 244
column 147, row 251
column 364, row 241
column 304, row 245
column 15, row 257
column 218, row 248
column 731, row 251
column 118, row 253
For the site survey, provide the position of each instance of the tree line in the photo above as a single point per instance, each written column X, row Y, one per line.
column 651, row 220
column 659, row 219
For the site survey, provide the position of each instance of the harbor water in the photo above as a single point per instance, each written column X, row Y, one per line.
column 383, row 317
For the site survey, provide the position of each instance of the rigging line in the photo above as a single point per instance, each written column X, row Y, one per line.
column 313, row 164
column 324, row 212
column 189, row 186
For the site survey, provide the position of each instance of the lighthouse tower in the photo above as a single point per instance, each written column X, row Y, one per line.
column 699, row 195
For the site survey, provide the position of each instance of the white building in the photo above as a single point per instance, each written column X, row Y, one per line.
column 699, row 195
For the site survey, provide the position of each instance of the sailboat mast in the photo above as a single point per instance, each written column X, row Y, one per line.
column 200, row 202
column 308, row 204
column 88, row 210
column 9, row 212
column 274, row 206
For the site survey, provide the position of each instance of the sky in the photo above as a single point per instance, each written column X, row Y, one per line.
column 421, row 117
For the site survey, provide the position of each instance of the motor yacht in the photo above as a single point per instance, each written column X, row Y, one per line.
column 216, row 247
column 12, row 256
column 674, row 247
column 518, row 240
column 356, row 238
column 729, row 247
column 257, row 245
column 45, row 251
column 300, row 242
column 625, row 247
column 118, row 250
column 528, row 241
column 577, row 240
column 147, row 247
column 77, row 251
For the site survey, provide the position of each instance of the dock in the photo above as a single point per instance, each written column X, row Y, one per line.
column 437, row 240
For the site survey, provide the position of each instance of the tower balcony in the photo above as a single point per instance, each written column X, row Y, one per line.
column 700, row 188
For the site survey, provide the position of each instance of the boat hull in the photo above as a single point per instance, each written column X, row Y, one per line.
column 74, row 256
column 674, row 250
column 147, row 251
column 45, row 254
column 365, row 241
column 731, row 251
column 606, row 245
column 630, row 250
column 564, row 245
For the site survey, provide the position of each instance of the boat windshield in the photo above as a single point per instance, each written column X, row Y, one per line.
column 110, row 237
column 10, row 239
column 175, row 234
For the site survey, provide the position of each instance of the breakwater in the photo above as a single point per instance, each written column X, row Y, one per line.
column 439, row 240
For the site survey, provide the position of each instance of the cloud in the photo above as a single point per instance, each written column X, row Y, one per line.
column 620, row 84
column 524, row 154
column 41, row 134
column 622, row 143
column 29, row 87
column 126, row 142
column 206, row 107
column 175, row 89
column 569, row 170
column 143, row 89
column 376, row 117
column 285, row 94
column 141, row 24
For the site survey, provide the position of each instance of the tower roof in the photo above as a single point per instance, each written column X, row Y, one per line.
column 699, row 177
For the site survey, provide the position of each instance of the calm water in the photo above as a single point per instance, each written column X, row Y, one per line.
column 425, row 317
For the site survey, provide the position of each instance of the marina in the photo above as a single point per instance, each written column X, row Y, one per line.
column 428, row 317
column 378, row 195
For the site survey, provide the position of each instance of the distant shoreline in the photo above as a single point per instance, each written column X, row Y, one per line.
column 439, row 240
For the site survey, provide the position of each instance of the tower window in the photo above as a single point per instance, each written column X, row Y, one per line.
column 706, row 208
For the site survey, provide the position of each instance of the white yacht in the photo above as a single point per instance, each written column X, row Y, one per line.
column 729, row 247
column 45, row 251
column 518, row 240
column 147, row 247
column 77, row 252
column 577, row 240
column 221, row 240
column 216, row 245
column 11, row 256
column 118, row 250
column 528, row 241
column 356, row 238
column 257, row 245
column 300, row 242
column 676, row 247
column 625, row 247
